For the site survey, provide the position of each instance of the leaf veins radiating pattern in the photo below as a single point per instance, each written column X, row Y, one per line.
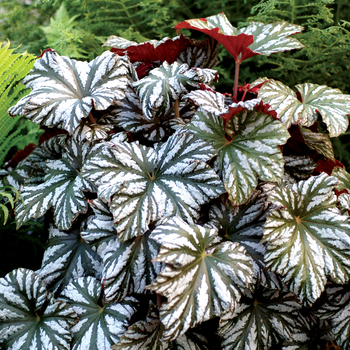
column 144, row 185
column 249, row 152
column 64, row 90
column 199, row 281
column 308, row 238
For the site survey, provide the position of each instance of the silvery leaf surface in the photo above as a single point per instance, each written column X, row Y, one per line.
column 344, row 201
column 244, row 224
column 200, row 281
column 209, row 101
column 30, row 318
column 67, row 257
column 144, row 185
column 146, row 335
column 129, row 116
column 260, row 320
column 92, row 132
column 164, row 85
column 100, row 324
column 319, row 142
column 272, row 38
column 250, row 151
column 63, row 190
column 99, row 228
column 201, row 54
column 337, row 310
column 343, row 179
column 308, row 239
column 330, row 103
column 297, row 168
column 64, row 90
column 128, row 266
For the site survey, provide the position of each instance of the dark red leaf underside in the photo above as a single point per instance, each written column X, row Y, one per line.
column 167, row 51
column 327, row 166
column 20, row 155
column 237, row 46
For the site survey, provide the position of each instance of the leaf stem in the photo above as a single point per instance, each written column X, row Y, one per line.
column 92, row 119
column 176, row 107
column 235, row 87
column 159, row 300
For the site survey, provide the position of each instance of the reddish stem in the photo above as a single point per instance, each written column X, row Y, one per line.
column 92, row 119
column 235, row 87
column 159, row 300
column 176, row 107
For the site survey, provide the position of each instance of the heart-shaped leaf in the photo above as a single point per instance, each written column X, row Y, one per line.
column 67, row 256
column 64, row 91
column 164, row 85
column 308, row 239
column 255, row 39
column 200, row 280
column 260, row 320
column 144, row 185
column 330, row 103
column 248, row 152
column 30, row 318
column 100, row 324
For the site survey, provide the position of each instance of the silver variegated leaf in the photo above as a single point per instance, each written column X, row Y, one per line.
column 30, row 318
column 210, row 101
column 200, row 54
column 308, row 239
column 92, row 132
column 343, row 179
column 330, row 103
column 128, row 115
column 319, row 142
column 244, row 224
column 297, row 168
column 144, row 185
column 344, row 202
column 146, row 335
column 200, row 281
column 99, row 228
column 64, row 90
column 164, row 85
column 128, row 267
column 249, row 152
column 62, row 189
column 67, row 257
column 260, row 320
column 337, row 311
column 100, row 324
column 272, row 38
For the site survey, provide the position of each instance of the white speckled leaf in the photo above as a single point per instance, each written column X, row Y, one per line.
column 64, row 90
column 337, row 311
column 297, row 168
column 200, row 281
column 248, row 153
column 30, row 318
column 330, row 103
column 272, row 38
column 128, row 267
column 144, row 184
column 146, row 335
column 244, row 224
column 260, row 320
column 164, row 85
column 100, row 324
column 67, row 256
column 208, row 100
column 343, row 179
column 92, row 132
column 319, row 142
column 308, row 239
column 62, row 189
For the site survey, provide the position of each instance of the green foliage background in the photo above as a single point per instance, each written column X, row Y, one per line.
column 77, row 28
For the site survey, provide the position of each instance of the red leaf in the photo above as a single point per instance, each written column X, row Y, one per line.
column 237, row 46
column 143, row 69
column 327, row 166
column 50, row 132
column 264, row 108
column 20, row 155
column 47, row 50
column 166, row 51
